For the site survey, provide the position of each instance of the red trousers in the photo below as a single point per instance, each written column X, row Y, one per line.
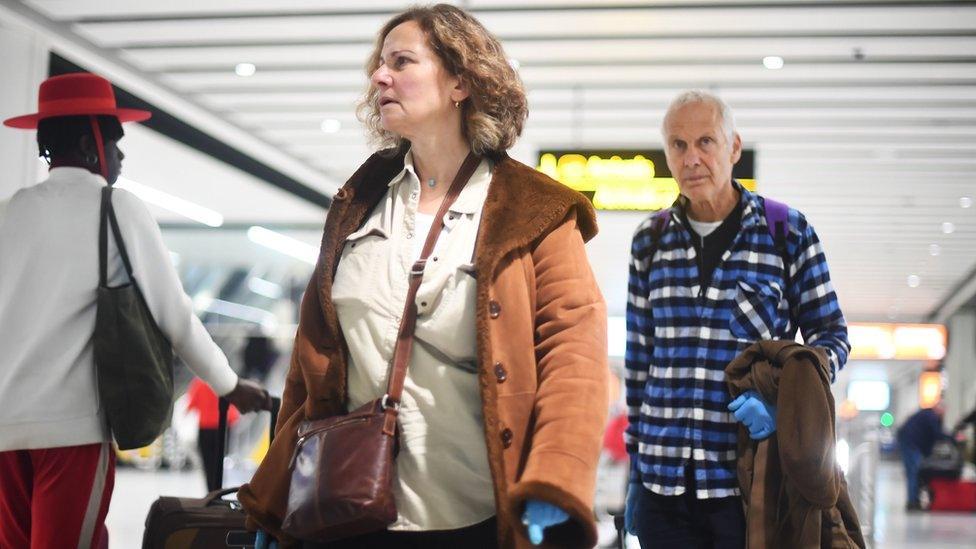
column 56, row 497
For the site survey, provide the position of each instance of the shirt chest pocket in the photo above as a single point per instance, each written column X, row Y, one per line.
column 358, row 274
column 447, row 315
column 755, row 311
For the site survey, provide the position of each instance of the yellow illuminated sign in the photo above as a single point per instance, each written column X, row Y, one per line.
column 616, row 183
column 879, row 341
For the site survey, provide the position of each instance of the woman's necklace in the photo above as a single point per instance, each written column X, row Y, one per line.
column 431, row 182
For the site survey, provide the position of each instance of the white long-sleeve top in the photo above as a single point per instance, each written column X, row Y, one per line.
column 48, row 285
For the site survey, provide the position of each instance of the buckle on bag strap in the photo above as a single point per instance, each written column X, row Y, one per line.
column 387, row 403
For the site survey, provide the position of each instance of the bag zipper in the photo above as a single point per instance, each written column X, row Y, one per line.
column 301, row 440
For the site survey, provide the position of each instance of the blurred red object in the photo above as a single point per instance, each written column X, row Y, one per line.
column 204, row 401
column 613, row 438
column 952, row 495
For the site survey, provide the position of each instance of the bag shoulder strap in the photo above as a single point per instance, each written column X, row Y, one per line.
column 107, row 217
column 408, row 322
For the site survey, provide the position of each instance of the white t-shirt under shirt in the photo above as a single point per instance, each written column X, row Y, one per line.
column 423, row 224
column 704, row 228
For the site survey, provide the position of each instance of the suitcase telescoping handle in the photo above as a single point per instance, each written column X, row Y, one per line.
column 222, row 434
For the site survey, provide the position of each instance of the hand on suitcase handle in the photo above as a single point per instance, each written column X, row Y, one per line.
column 265, row 541
column 248, row 396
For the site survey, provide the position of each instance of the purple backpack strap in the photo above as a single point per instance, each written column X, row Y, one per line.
column 776, row 216
column 660, row 222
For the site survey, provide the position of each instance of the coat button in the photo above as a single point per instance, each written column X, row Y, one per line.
column 507, row 437
column 500, row 374
column 494, row 309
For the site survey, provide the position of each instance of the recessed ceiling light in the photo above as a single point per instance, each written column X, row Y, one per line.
column 914, row 281
column 948, row 227
column 934, row 249
column 245, row 69
column 965, row 202
column 773, row 62
column 331, row 125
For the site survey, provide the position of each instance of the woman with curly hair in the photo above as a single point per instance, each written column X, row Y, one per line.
column 505, row 396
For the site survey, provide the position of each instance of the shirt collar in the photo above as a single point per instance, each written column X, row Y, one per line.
column 748, row 204
column 70, row 172
column 472, row 195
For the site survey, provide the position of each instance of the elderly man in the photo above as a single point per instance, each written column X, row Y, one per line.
column 708, row 277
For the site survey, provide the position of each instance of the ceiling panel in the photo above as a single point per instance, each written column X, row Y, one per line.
column 869, row 128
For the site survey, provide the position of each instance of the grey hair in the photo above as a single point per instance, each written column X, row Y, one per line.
column 701, row 96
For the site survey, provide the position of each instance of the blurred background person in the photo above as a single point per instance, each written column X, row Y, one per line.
column 916, row 437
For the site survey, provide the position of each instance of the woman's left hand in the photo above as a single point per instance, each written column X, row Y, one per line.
column 540, row 515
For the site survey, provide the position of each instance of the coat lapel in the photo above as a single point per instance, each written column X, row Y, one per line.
column 351, row 206
column 522, row 206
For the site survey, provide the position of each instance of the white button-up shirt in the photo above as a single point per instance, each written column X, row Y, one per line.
column 443, row 477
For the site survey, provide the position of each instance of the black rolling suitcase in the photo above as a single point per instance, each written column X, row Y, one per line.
column 208, row 523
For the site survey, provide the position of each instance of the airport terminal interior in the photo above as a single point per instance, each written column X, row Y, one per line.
column 859, row 113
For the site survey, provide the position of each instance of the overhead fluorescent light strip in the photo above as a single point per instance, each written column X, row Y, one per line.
column 284, row 244
column 264, row 287
column 172, row 203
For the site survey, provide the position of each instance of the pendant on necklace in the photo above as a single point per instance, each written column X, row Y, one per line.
column 431, row 182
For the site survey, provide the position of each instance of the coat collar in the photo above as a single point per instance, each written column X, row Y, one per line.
column 522, row 205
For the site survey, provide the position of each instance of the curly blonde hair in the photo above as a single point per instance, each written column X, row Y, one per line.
column 494, row 112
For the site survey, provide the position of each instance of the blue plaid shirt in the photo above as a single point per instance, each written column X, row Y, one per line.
column 681, row 336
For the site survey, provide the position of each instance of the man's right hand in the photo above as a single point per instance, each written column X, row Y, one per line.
column 248, row 396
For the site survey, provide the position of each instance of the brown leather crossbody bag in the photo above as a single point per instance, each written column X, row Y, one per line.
column 343, row 467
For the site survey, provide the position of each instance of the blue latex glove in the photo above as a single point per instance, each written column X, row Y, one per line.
column 540, row 515
column 758, row 416
column 265, row 541
column 630, row 511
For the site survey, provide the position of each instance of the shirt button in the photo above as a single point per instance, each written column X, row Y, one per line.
column 494, row 309
column 500, row 374
column 507, row 437
column 409, row 236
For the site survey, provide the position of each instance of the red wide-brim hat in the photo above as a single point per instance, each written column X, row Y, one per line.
column 74, row 94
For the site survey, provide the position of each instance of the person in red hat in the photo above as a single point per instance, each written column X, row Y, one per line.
column 56, row 460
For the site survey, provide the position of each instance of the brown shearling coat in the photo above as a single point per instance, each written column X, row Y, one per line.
column 794, row 492
column 542, row 351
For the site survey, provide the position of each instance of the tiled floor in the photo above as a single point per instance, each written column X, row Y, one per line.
column 135, row 491
column 900, row 530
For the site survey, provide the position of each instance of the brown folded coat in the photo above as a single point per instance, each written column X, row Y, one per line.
column 794, row 493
